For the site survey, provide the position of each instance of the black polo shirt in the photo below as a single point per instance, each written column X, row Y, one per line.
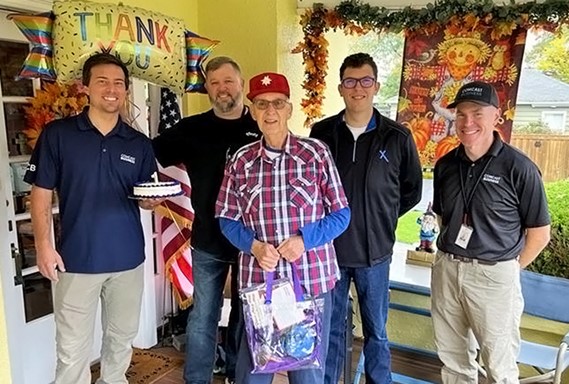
column 507, row 197
column 94, row 175
column 204, row 143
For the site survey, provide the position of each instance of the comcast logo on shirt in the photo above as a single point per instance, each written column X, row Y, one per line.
column 492, row 178
column 127, row 158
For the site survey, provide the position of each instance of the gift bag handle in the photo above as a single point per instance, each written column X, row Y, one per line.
column 295, row 283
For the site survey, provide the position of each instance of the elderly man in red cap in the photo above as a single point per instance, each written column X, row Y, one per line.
column 282, row 203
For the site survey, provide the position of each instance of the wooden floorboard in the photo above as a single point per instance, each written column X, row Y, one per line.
column 409, row 364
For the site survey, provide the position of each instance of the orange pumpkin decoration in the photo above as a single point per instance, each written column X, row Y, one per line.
column 420, row 124
column 446, row 145
column 420, row 127
column 421, row 137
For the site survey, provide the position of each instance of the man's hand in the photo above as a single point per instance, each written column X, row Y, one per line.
column 48, row 260
column 150, row 204
column 266, row 254
column 292, row 248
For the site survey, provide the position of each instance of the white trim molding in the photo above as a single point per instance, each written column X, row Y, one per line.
column 27, row 5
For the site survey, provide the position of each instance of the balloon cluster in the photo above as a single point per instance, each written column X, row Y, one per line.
column 154, row 47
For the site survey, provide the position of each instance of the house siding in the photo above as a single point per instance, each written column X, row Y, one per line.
column 527, row 114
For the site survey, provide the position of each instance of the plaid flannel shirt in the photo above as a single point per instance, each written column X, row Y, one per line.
column 275, row 198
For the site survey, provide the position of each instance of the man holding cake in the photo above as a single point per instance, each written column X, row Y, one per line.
column 93, row 160
column 282, row 203
column 203, row 143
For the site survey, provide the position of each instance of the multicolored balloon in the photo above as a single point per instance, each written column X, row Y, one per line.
column 151, row 44
column 197, row 50
column 154, row 47
column 37, row 29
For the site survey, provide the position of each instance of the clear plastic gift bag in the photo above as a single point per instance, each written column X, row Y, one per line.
column 283, row 326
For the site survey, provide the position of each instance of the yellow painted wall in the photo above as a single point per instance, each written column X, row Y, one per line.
column 247, row 33
column 260, row 35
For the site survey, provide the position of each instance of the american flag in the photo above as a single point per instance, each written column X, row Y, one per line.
column 177, row 214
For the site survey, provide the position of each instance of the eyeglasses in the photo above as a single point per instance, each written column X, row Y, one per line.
column 264, row 104
column 365, row 82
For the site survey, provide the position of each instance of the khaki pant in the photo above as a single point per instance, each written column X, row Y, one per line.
column 484, row 300
column 75, row 306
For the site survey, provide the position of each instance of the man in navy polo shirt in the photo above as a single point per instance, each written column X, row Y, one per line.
column 494, row 220
column 93, row 161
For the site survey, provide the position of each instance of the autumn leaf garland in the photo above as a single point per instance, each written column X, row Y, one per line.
column 53, row 101
column 357, row 18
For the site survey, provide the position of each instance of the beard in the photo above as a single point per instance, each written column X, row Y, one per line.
column 227, row 104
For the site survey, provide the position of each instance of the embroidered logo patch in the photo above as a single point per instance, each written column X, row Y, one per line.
column 127, row 158
column 383, row 155
column 492, row 178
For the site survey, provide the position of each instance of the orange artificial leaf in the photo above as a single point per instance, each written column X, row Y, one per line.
column 502, row 29
column 471, row 21
column 53, row 101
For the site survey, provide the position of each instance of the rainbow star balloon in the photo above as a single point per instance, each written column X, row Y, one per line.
column 197, row 50
column 37, row 29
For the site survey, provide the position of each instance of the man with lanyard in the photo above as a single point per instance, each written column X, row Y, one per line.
column 380, row 170
column 203, row 143
column 494, row 220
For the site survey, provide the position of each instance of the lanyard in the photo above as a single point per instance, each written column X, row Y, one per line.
column 465, row 199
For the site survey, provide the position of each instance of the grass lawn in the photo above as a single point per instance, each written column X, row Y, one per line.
column 407, row 228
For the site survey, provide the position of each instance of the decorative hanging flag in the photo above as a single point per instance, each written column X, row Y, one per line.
column 177, row 214
column 436, row 65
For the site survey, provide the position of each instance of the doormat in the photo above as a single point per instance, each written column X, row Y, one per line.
column 146, row 366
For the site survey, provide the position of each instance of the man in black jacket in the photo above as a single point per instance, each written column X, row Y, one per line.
column 204, row 143
column 381, row 174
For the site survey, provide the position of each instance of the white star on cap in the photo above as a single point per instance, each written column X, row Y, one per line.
column 266, row 80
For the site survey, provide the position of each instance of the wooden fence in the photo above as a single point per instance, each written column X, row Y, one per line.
column 549, row 152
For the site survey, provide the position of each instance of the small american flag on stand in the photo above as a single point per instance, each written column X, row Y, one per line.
column 177, row 214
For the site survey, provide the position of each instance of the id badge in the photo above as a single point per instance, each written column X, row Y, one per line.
column 464, row 236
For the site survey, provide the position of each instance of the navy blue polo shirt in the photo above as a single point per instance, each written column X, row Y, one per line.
column 507, row 197
column 94, row 175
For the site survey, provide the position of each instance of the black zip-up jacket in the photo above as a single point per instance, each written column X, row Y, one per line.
column 393, row 185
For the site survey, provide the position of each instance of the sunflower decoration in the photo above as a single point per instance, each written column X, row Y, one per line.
column 53, row 101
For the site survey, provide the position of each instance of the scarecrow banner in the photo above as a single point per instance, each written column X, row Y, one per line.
column 437, row 65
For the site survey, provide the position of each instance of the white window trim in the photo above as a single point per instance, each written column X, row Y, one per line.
column 563, row 113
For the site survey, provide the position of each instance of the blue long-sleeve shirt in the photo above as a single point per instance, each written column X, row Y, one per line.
column 314, row 234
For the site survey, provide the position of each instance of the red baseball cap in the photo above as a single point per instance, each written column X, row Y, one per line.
column 268, row 82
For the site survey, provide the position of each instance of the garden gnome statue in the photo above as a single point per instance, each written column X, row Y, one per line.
column 429, row 229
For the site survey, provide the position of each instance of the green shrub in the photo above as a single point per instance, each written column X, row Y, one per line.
column 554, row 259
column 534, row 127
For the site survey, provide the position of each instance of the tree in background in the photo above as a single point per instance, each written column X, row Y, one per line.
column 551, row 54
column 387, row 52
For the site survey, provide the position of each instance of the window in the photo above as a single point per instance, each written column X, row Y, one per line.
column 555, row 120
